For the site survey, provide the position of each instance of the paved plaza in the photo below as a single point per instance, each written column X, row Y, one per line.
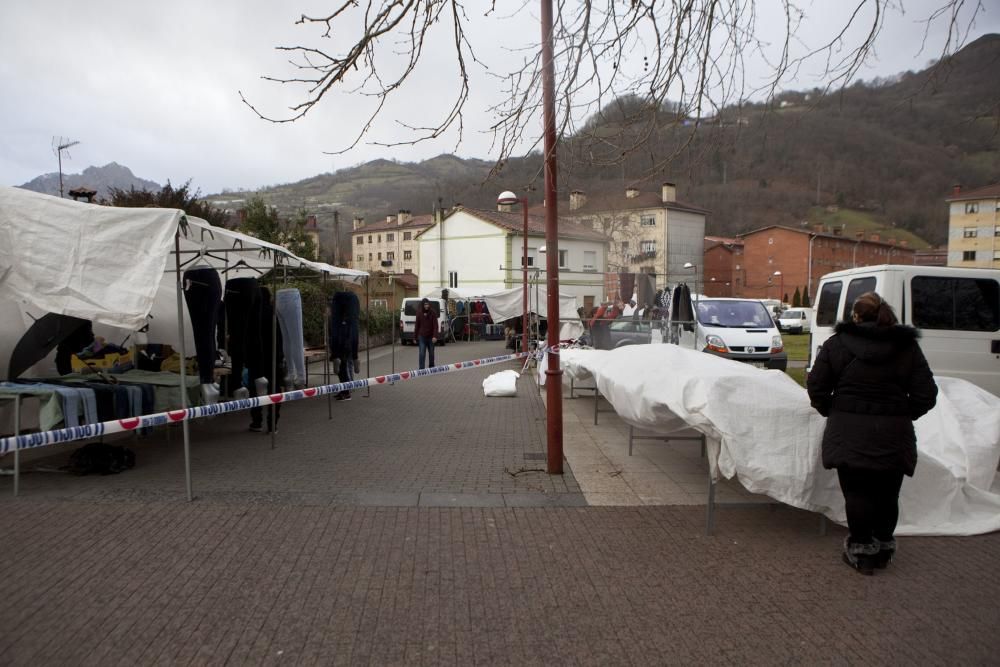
column 417, row 527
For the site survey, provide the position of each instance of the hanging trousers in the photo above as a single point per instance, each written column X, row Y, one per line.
column 288, row 303
column 243, row 325
column 872, row 503
column 202, row 292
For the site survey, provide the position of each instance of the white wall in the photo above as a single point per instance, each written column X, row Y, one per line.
column 472, row 247
column 572, row 279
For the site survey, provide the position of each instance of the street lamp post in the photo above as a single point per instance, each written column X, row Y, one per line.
column 781, row 293
column 553, row 374
column 506, row 198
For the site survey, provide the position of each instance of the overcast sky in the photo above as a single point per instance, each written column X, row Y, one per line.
column 154, row 86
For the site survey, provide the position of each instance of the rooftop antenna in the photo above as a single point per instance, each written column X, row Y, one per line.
column 60, row 144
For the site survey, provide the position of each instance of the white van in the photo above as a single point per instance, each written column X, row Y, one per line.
column 796, row 320
column 738, row 329
column 408, row 317
column 957, row 311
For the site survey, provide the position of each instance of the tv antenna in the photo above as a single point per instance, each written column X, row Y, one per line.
column 60, row 144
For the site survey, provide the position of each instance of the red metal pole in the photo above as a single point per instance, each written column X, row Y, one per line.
column 553, row 374
column 524, row 265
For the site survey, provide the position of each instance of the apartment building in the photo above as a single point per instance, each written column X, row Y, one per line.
column 390, row 245
column 974, row 227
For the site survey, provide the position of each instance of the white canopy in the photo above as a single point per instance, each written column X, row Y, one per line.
column 760, row 428
column 113, row 265
column 461, row 294
column 508, row 304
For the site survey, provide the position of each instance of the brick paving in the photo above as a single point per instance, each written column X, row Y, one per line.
column 369, row 540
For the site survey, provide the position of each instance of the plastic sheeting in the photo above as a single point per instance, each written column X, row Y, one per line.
column 761, row 429
column 99, row 263
column 503, row 383
column 508, row 304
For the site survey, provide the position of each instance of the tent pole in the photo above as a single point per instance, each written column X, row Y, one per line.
column 368, row 334
column 392, row 322
column 17, row 446
column 273, row 384
column 326, row 349
column 184, row 387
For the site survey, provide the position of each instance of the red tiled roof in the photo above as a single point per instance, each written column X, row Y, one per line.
column 514, row 222
column 825, row 235
column 988, row 192
column 416, row 222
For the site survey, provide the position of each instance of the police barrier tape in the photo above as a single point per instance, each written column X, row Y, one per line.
column 32, row 440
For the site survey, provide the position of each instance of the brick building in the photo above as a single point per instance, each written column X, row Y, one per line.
column 778, row 259
column 721, row 255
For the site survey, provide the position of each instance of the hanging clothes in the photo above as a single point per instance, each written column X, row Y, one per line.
column 626, row 286
column 288, row 303
column 203, row 293
column 242, row 299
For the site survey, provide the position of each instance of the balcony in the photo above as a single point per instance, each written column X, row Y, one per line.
column 643, row 256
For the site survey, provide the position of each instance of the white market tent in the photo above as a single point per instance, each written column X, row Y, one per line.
column 508, row 304
column 116, row 266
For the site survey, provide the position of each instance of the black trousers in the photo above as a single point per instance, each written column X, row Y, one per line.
column 243, row 325
column 872, row 501
column 203, row 292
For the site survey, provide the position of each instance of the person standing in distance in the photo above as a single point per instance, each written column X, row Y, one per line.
column 426, row 331
column 871, row 381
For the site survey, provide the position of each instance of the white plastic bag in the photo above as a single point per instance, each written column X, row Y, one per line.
column 503, row 383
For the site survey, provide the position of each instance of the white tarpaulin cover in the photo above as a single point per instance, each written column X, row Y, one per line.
column 761, row 429
column 114, row 266
column 507, row 304
column 457, row 293
column 96, row 262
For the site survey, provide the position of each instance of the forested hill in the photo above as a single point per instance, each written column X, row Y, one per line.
column 891, row 149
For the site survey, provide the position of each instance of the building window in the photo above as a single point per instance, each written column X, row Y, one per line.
column 968, row 255
column 531, row 259
column 647, row 247
column 380, row 257
column 589, row 260
column 624, row 247
column 453, row 279
column 361, row 240
column 380, row 303
column 969, row 232
column 390, row 255
column 996, row 229
column 972, row 207
column 647, row 220
column 369, row 257
column 407, row 270
column 407, row 236
column 407, row 254
column 369, row 238
column 390, row 237
column 996, row 255
column 563, row 259
column 361, row 258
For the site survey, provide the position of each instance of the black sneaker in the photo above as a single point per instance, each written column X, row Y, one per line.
column 256, row 428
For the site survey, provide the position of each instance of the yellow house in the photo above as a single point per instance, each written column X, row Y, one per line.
column 390, row 246
column 974, row 227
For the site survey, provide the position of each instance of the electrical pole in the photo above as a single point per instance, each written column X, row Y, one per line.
column 336, row 236
column 62, row 144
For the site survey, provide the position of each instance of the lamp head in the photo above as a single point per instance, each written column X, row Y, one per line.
column 507, row 197
column 688, row 265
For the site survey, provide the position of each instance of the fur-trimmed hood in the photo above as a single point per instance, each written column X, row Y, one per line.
column 873, row 343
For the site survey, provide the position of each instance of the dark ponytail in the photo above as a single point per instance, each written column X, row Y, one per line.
column 870, row 307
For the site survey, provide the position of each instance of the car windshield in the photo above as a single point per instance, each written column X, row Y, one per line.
column 792, row 315
column 413, row 307
column 630, row 325
column 733, row 314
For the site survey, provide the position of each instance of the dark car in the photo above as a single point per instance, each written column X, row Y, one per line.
column 627, row 331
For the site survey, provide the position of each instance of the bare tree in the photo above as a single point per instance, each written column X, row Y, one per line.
column 636, row 69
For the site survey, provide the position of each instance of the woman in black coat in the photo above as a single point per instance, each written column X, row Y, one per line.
column 871, row 380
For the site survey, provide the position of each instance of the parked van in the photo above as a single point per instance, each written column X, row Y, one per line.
column 738, row 329
column 796, row 320
column 957, row 311
column 408, row 317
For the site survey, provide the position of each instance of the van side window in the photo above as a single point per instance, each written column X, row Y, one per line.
column 961, row 304
column 826, row 308
column 856, row 288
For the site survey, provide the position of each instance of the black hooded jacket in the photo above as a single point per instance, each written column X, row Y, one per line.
column 872, row 383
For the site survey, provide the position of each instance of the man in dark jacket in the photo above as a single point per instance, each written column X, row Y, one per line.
column 426, row 330
column 871, row 381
